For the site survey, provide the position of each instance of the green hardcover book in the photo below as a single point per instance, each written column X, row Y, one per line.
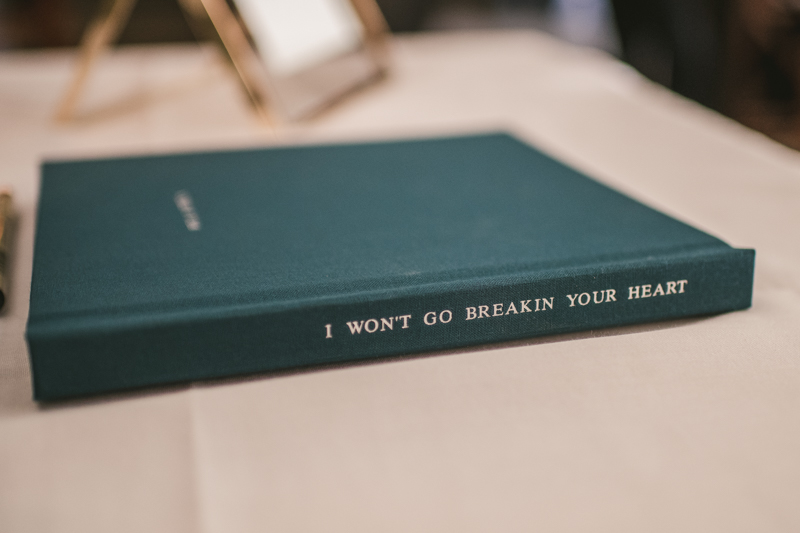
column 166, row 269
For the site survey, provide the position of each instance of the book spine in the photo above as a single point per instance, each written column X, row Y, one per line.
column 476, row 312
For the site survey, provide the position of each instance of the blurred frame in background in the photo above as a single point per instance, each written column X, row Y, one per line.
column 740, row 57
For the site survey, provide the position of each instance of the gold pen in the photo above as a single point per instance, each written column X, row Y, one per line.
column 5, row 229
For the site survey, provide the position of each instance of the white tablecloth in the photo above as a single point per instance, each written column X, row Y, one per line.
column 682, row 426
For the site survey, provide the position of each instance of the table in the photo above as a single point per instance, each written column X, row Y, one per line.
column 691, row 425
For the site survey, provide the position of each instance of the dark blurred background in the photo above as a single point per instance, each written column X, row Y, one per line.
column 740, row 57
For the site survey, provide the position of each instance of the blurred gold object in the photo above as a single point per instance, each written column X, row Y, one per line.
column 5, row 230
column 102, row 31
column 268, row 92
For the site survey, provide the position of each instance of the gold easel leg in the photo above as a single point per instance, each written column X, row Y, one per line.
column 235, row 43
column 104, row 29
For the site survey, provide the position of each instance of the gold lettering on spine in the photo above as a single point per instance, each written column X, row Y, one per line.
column 647, row 291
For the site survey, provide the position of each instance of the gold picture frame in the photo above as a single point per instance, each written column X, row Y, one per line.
column 275, row 97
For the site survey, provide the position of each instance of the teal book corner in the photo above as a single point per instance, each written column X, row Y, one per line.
column 173, row 268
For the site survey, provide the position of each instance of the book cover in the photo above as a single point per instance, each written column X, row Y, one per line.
column 173, row 268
